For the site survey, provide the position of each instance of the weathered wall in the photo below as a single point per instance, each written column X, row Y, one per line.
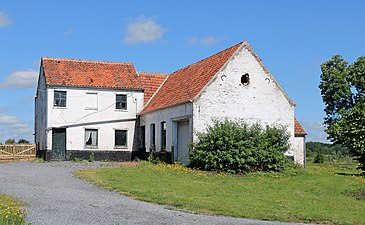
column 76, row 117
column 40, row 116
column 299, row 144
column 170, row 116
column 260, row 101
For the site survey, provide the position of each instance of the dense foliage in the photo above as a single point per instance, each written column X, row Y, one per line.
column 12, row 141
column 237, row 147
column 320, row 152
column 343, row 92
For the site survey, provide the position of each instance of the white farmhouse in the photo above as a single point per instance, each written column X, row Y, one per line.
column 87, row 106
column 111, row 111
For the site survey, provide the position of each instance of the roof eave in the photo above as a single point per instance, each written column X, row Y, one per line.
column 165, row 107
column 93, row 87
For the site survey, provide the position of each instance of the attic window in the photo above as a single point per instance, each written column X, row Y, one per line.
column 245, row 79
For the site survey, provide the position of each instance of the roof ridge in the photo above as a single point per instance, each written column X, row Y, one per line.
column 86, row 61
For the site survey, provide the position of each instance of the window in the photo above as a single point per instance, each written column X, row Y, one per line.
column 121, row 138
column 59, row 99
column 91, row 137
column 91, row 101
column 245, row 79
column 163, row 136
column 152, row 137
column 121, row 102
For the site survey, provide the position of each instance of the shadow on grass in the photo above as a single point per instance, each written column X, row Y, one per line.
column 351, row 174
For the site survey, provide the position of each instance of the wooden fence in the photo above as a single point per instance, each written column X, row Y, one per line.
column 17, row 151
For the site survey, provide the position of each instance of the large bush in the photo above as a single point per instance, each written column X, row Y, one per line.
column 237, row 147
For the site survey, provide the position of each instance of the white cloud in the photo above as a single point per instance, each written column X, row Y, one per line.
column 143, row 30
column 21, row 79
column 207, row 41
column 4, row 19
column 14, row 128
column 315, row 131
column 9, row 120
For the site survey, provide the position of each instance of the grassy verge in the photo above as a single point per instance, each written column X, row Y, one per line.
column 329, row 194
column 11, row 211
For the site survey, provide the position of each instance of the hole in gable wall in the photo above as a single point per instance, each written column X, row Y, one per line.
column 245, row 79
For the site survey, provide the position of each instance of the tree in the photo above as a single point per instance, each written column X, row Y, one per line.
column 343, row 92
column 320, row 152
column 10, row 141
column 23, row 141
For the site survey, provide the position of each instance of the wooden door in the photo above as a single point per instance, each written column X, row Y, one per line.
column 58, row 143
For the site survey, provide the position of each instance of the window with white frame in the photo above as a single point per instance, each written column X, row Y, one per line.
column 91, row 101
column 121, row 138
column 59, row 98
column 91, row 137
column 121, row 102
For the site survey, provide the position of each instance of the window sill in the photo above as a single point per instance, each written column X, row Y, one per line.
column 90, row 147
column 94, row 109
column 121, row 110
column 59, row 107
column 120, row 147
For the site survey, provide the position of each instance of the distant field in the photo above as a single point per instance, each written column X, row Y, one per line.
column 330, row 194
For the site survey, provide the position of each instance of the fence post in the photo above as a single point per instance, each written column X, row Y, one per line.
column 13, row 150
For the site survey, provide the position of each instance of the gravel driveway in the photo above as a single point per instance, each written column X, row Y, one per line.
column 54, row 196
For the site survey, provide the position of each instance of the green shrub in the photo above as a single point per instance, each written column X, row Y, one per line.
column 92, row 157
column 236, row 147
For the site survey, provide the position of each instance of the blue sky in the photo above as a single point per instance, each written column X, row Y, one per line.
column 291, row 37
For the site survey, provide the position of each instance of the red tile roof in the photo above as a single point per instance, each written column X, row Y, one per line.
column 87, row 73
column 184, row 84
column 151, row 82
column 298, row 129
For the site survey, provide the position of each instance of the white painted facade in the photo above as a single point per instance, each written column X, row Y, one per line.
column 261, row 100
column 299, row 143
column 78, row 116
column 172, row 116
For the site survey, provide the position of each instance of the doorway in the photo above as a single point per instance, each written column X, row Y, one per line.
column 58, row 144
column 182, row 142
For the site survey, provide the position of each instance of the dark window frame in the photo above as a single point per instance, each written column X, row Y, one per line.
column 121, row 102
column 117, row 140
column 152, row 136
column 163, row 136
column 59, row 98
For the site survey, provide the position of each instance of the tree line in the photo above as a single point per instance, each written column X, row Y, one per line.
column 12, row 141
column 319, row 152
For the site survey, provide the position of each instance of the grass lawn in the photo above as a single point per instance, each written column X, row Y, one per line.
column 330, row 194
column 11, row 211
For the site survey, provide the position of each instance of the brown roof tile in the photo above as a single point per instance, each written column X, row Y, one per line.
column 87, row 73
column 298, row 129
column 184, row 84
column 151, row 82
